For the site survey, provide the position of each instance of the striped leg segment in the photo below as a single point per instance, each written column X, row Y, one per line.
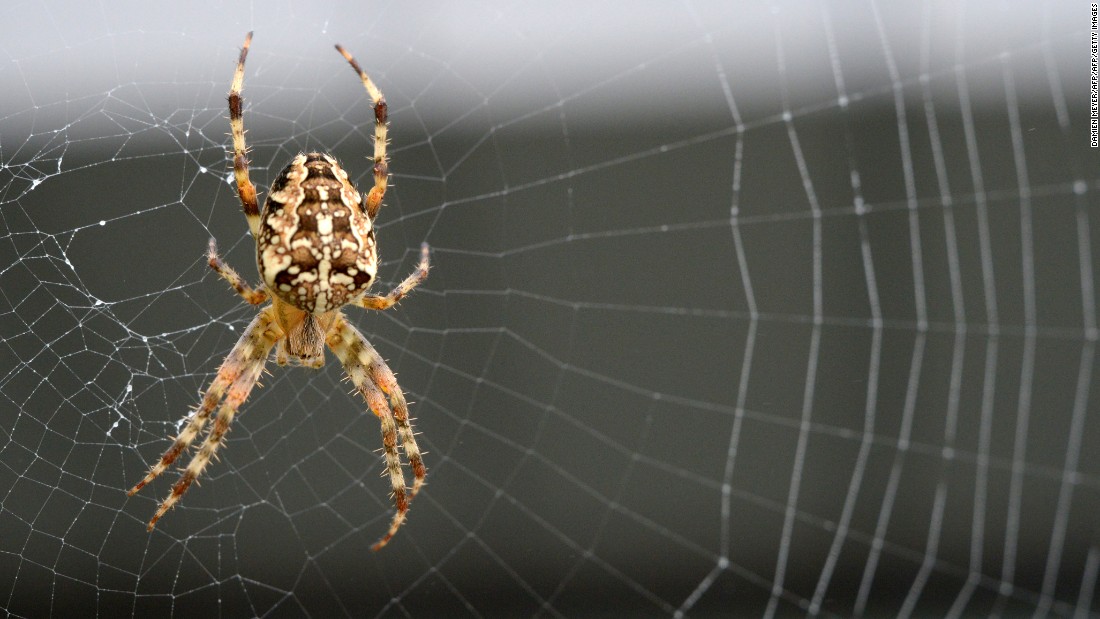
column 245, row 189
column 381, row 167
column 238, row 374
column 374, row 380
column 374, row 302
column 248, row 293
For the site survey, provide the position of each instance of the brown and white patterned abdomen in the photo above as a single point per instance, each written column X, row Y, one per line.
column 316, row 247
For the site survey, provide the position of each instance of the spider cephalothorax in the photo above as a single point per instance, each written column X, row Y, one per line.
column 316, row 252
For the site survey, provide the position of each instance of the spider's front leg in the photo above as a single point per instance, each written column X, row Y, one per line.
column 236, row 377
column 375, row 381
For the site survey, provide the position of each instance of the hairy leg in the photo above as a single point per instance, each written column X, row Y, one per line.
column 238, row 374
column 248, row 293
column 381, row 168
column 375, row 302
column 245, row 189
column 374, row 380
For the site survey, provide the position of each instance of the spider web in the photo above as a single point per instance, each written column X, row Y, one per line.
column 778, row 310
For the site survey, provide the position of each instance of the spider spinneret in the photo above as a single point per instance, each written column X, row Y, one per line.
column 316, row 252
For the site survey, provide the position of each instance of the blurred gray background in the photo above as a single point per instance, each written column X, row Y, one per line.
column 785, row 308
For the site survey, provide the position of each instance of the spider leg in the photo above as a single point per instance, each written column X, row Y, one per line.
column 281, row 356
column 375, row 302
column 381, row 168
column 240, row 371
column 250, row 294
column 228, row 372
column 245, row 189
column 373, row 378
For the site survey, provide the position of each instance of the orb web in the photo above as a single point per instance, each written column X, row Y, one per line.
column 781, row 310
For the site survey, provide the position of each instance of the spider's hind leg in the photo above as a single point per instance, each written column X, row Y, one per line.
column 246, row 191
column 381, row 167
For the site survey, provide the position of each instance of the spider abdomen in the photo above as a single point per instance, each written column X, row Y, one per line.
column 316, row 246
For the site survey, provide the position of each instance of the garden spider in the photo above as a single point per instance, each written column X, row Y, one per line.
column 316, row 252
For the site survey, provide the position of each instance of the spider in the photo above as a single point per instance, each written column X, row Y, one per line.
column 315, row 246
